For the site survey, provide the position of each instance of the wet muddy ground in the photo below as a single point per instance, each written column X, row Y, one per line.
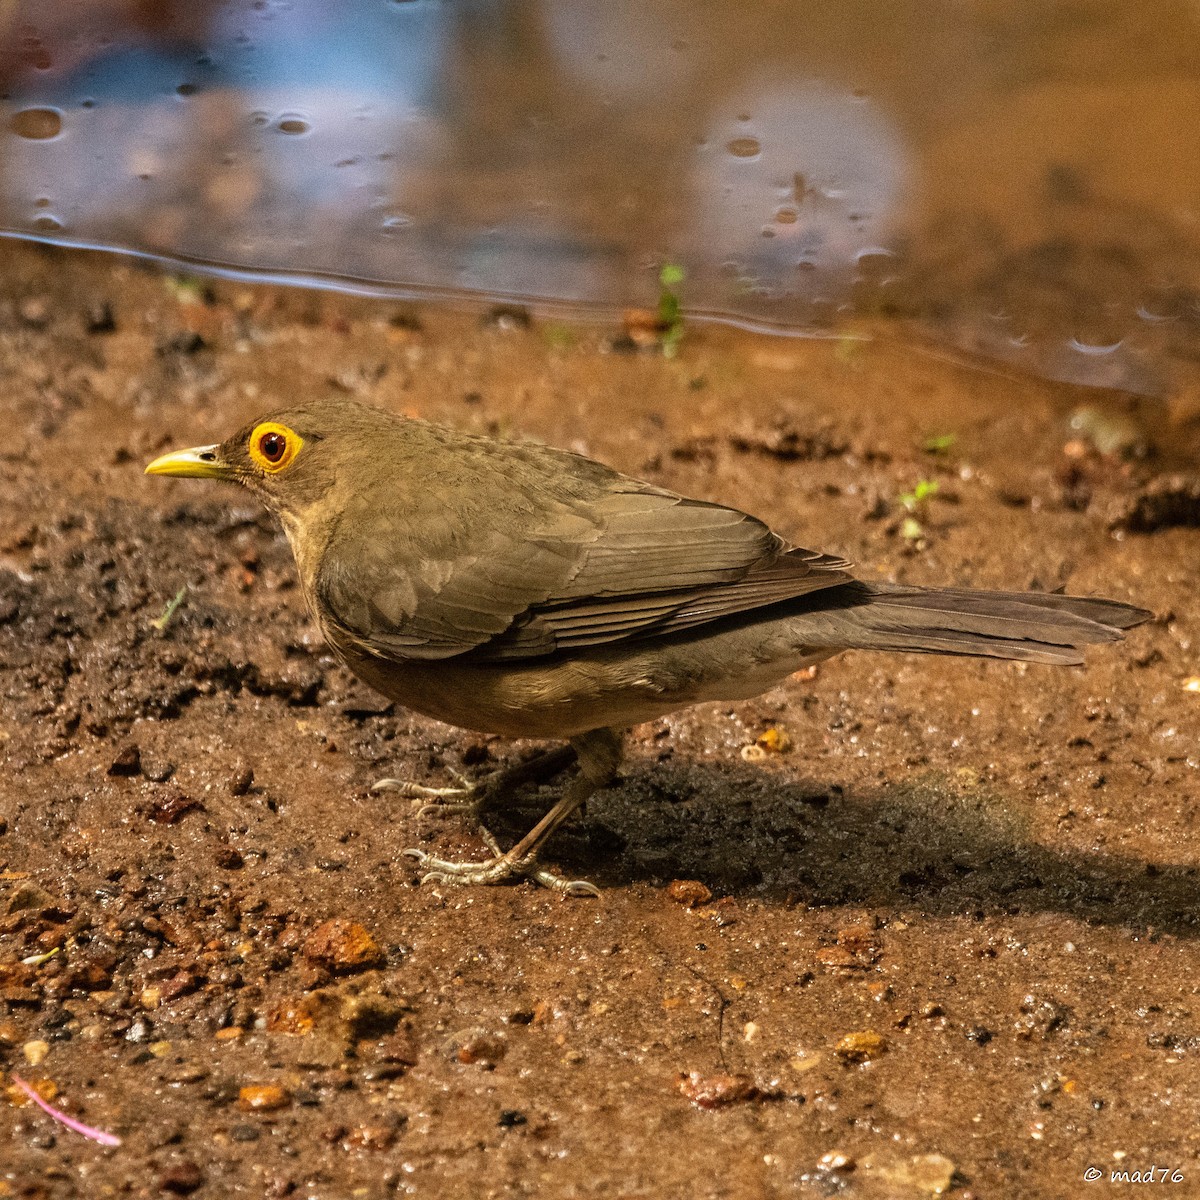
column 938, row 936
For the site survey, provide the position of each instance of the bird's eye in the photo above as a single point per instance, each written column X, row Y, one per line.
column 273, row 447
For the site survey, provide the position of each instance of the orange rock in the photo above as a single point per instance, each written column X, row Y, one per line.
column 688, row 892
column 342, row 945
column 291, row 1017
column 265, row 1097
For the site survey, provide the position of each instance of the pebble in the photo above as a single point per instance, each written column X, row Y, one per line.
column 860, row 1047
column 369, row 1137
column 266, row 1097
column 476, row 1046
column 35, row 1052
column 836, row 1160
column 181, row 1180
column 921, row 1175
column 774, row 740
column 128, row 761
column 691, row 893
column 241, row 781
column 158, row 772
column 172, row 808
column 342, row 945
column 185, row 1072
column 716, row 1091
column 293, row 1017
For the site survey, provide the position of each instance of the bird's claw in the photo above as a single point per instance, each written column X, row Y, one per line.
column 465, row 798
column 497, row 870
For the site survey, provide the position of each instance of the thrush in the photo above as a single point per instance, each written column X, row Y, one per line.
column 521, row 590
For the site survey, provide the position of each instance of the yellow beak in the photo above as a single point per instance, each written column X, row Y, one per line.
column 200, row 462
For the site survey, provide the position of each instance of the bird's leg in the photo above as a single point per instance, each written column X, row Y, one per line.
column 473, row 798
column 599, row 755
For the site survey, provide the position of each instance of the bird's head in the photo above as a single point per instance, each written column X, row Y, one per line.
column 293, row 457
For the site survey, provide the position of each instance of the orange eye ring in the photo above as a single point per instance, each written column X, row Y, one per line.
column 273, row 447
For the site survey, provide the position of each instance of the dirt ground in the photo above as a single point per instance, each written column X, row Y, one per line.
column 945, row 941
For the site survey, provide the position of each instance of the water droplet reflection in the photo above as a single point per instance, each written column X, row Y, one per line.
column 37, row 124
column 745, row 147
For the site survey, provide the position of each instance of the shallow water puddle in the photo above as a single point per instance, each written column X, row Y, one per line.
column 1021, row 179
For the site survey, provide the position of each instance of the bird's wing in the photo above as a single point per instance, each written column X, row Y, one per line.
column 625, row 562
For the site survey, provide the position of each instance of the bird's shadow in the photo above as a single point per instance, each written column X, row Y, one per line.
column 943, row 845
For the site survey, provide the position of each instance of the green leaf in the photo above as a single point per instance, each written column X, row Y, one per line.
column 671, row 275
column 940, row 443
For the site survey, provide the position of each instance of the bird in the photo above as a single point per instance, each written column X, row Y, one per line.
column 516, row 589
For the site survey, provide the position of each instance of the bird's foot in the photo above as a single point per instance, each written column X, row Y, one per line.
column 498, row 869
column 467, row 798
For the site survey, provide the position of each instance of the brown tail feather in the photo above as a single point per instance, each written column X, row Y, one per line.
column 1031, row 626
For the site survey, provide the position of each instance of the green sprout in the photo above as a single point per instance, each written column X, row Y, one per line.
column 670, row 314
column 161, row 623
column 915, row 505
column 916, row 499
column 939, row 443
column 186, row 289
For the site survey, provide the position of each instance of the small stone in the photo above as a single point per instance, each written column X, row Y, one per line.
column 158, row 772
column 35, row 1052
column 774, row 740
column 180, row 984
column 716, row 1091
column 170, row 809
column 241, row 781
column 295, row 1018
column 265, row 1097
column 185, row 1072
column 46, row 1088
column 342, row 946
column 838, row 958
column 860, row 1047
column 689, row 892
column 127, row 762
column 182, row 1179
column 476, row 1046
column 369, row 1137
column 836, row 1161
column 140, row 1031
column 921, row 1175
